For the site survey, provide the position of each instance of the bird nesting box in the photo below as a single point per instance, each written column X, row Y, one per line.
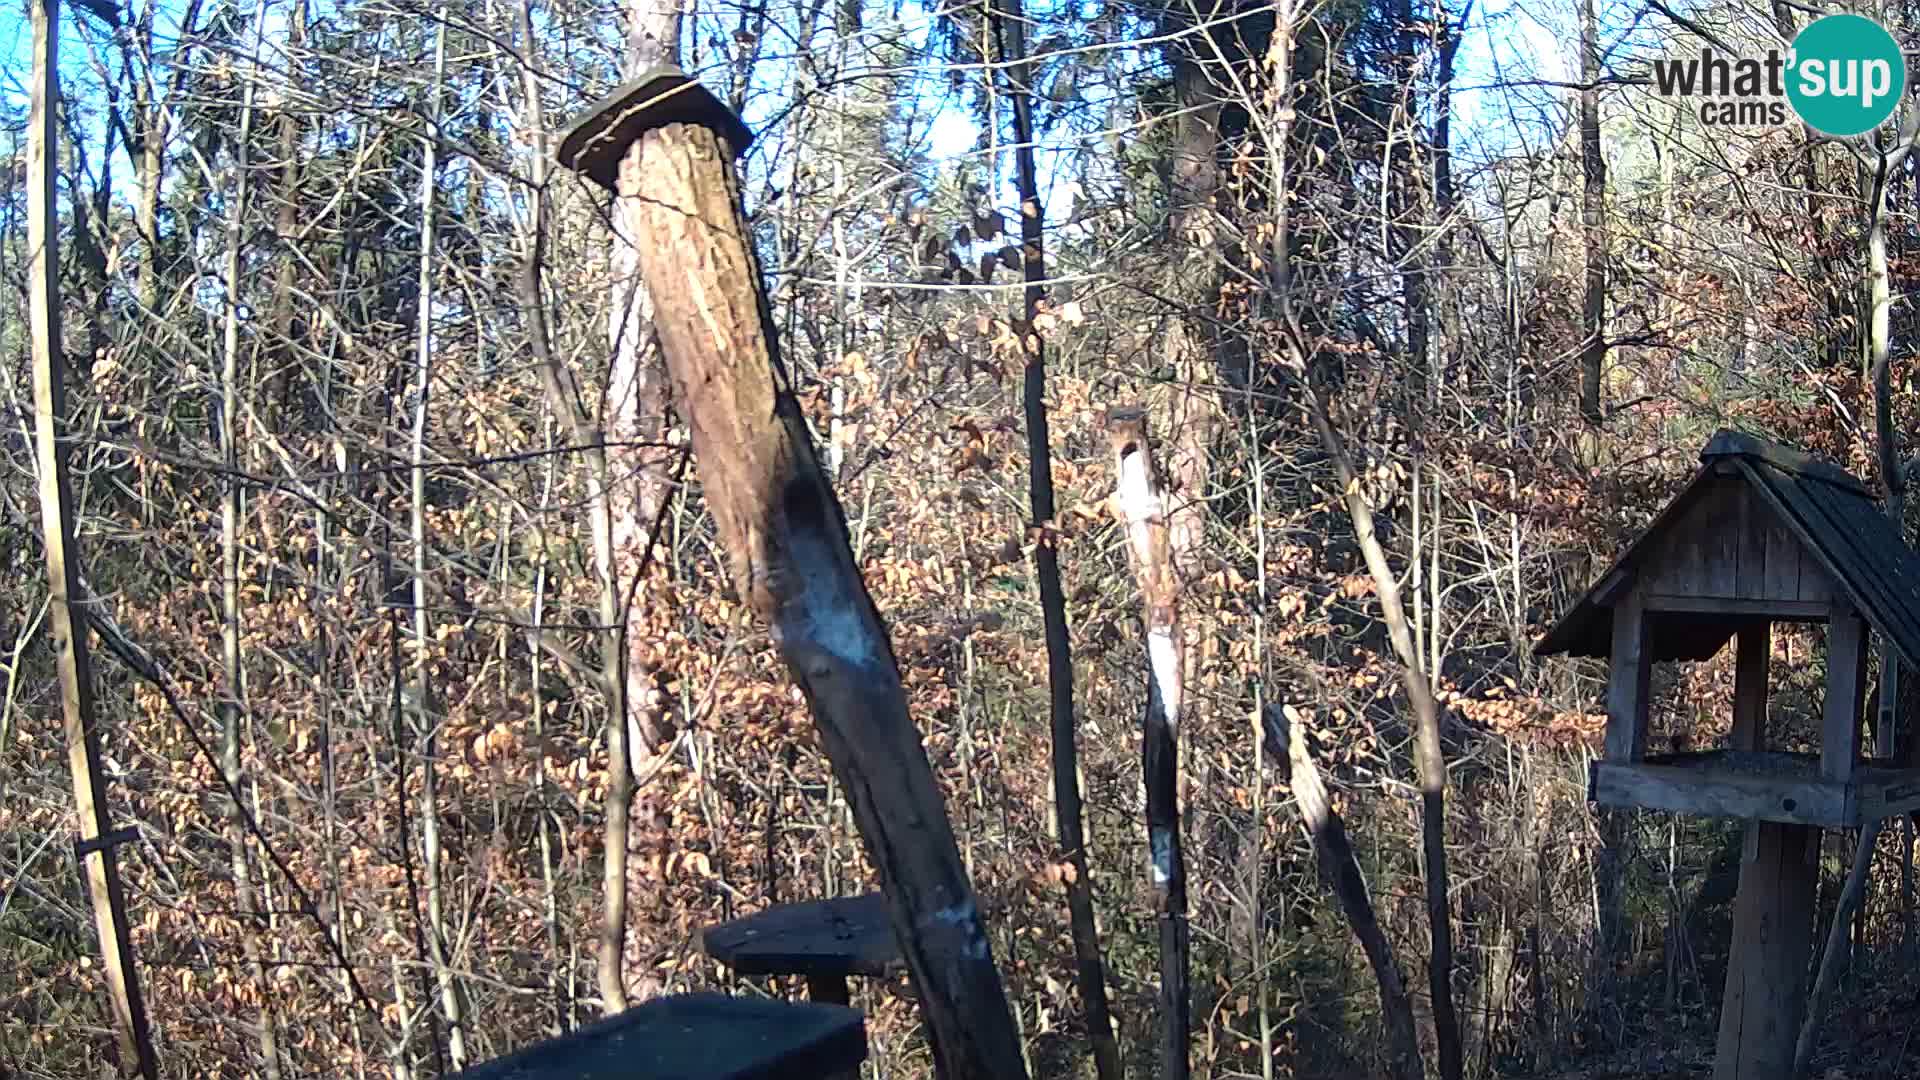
column 1762, row 534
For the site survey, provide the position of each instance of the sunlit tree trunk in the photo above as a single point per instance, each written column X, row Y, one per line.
column 635, row 422
column 232, row 708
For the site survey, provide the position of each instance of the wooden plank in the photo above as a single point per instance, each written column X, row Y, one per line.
column 1627, row 681
column 1711, row 793
column 1720, row 539
column 1751, row 662
column 696, row 1037
column 1766, row 990
column 1575, row 632
column 1740, row 444
column 1840, row 716
column 1782, row 559
column 1884, row 570
column 1785, row 610
column 1682, row 568
column 1892, row 791
column 829, row 989
column 824, row 938
column 1754, row 520
column 1816, row 582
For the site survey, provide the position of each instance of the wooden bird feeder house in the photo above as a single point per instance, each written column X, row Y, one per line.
column 1762, row 534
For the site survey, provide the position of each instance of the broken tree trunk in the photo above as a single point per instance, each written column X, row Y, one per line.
column 1284, row 731
column 786, row 537
column 1141, row 505
column 65, row 620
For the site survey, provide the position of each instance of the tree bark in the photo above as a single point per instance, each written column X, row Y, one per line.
column 1009, row 34
column 1286, row 739
column 563, row 397
column 426, row 714
column 1593, row 220
column 65, row 622
column 786, row 538
column 634, row 423
column 1141, row 507
column 231, row 708
column 1429, row 760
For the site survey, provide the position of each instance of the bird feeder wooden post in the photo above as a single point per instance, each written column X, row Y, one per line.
column 1762, row 534
column 668, row 144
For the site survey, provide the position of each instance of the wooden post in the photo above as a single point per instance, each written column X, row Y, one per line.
column 1752, row 658
column 1141, row 506
column 1628, row 679
column 1840, row 729
column 1765, row 998
column 66, row 621
column 786, row 537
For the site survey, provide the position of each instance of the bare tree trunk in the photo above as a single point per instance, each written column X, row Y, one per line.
column 1593, row 219
column 634, row 424
column 1429, row 761
column 286, row 220
column 534, row 121
column 1141, row 506
column 1009, row 31
column 564, row 398
column 66, row 622
column 1285, row 739
column 427, row 713
column 230, row 707
column 1831, row 957
column 1886, row 437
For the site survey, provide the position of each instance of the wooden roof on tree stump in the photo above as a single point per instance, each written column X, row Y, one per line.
column 1838, row 523
column 598, row 138
column 696, row 1037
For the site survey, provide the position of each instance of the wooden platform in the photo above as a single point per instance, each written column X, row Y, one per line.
column 697, row 1037
column 821, row 939
column 1755, row 785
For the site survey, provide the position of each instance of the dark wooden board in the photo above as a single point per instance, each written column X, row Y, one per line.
column 696, row 1037
column 846, row 936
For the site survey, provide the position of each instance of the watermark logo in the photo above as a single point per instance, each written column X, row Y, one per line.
column 1843, row 76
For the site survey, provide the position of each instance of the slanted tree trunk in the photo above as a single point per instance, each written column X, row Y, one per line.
column 1141, row 505
column 1283, row 728
column 66, row 619
column 789, row 553
column 1429, row 761
column 1009, row 34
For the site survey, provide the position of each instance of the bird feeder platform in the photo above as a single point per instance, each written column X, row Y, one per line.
column 697, row 1037
column 1757, row 785
column 825, row 941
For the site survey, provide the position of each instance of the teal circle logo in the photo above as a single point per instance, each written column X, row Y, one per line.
column 1845, row 75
